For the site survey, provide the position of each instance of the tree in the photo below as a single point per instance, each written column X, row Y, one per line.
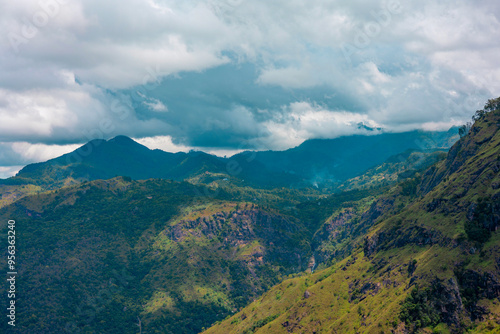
column 478, row 115
column 492, row 104
column 464, row 129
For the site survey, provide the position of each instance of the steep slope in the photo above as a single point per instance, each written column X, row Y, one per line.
column 157, row 248
column 426, row 257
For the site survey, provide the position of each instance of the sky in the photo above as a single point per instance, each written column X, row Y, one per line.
column 224, row 76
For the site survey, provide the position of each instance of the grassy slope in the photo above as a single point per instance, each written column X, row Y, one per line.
column 364, row 293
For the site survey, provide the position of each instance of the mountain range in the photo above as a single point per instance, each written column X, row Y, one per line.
column 313, row 163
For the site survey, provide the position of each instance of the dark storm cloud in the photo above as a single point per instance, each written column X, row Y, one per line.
column 224, row 106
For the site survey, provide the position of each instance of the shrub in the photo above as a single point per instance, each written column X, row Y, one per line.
column 416, row 310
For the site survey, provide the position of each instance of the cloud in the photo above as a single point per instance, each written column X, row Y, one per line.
column 156, row 105
column 8, row 171
column 15, row 154
column 238, row 74
column 152, row 103
column 301, row 120
column 166, row 144
column 41, row 152
column 114, row 44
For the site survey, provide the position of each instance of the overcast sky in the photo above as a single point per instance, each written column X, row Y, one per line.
column 227, row 75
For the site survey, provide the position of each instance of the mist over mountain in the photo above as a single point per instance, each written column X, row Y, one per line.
column 320, row 161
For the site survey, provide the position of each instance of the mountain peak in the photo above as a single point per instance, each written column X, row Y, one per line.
column 121, row 139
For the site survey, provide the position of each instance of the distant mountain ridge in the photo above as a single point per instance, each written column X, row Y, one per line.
column 119, row 156
column 335, row 160
column 315, row 162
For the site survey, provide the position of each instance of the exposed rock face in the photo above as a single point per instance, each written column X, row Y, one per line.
column 440, row 302
column 475, row 286
column 359, row 290
column 377, row 209
column 447, row 301
column 438, row 203
column 241, row 227
column 457, row 298
column 347, row 225
column 370, row 246
column 236, row 227
column 331, row 228
column 486, row 212
column 396, row 238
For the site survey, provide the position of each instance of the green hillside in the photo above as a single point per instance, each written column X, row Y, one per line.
column 344, row 163
column 424, row 258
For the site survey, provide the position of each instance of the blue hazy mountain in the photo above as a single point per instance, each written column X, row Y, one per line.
column 314, row 162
